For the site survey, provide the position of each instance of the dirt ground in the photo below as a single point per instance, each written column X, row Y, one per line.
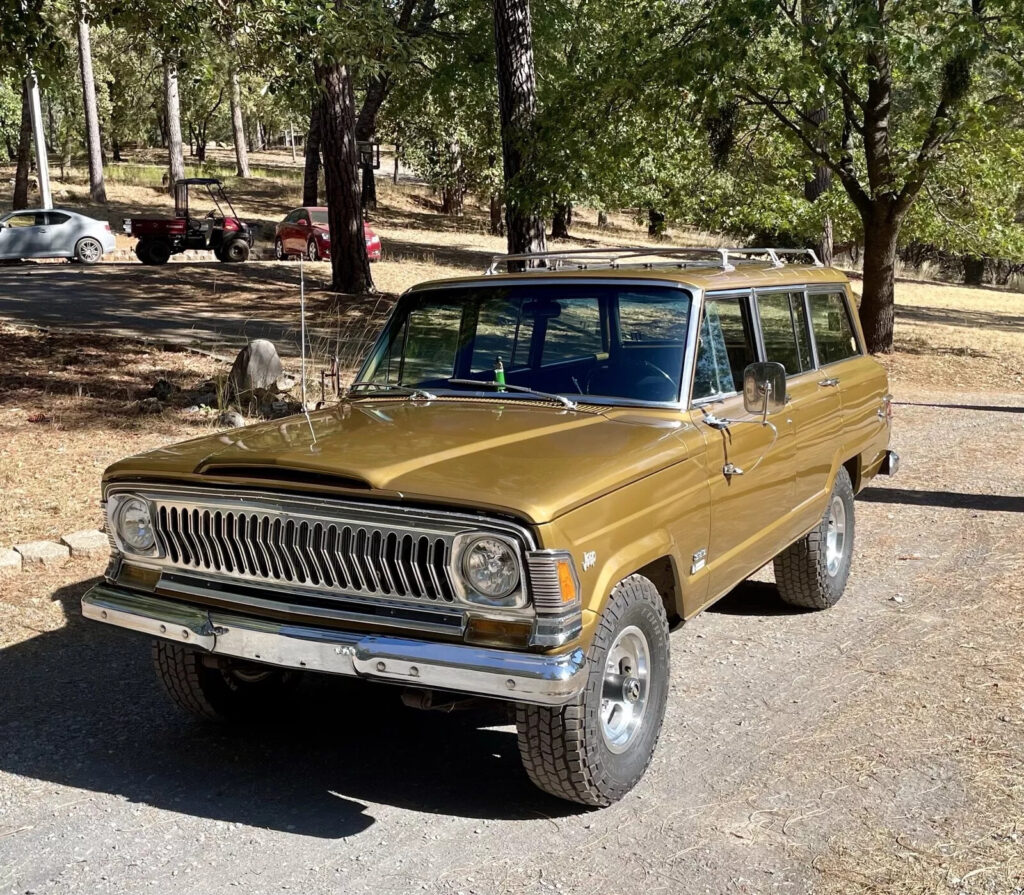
column 874, row 748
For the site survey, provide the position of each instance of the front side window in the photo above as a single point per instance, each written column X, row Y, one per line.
column 24, row 220
column 833, row 331
column 595, row 341
column 784, row 330
column 725, row 348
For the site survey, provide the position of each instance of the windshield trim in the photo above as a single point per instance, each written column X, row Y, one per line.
column 693, row 326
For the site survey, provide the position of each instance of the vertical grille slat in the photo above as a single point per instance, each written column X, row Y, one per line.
column 279, row 544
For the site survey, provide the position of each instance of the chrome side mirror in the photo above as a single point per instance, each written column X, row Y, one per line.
column 764, row 388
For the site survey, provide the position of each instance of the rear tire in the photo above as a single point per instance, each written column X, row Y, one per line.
column 159, row 252
column 227, row 691
column 235, row 251
column 596, row 748
column 88, row 250
column 142, row 251
column 812, row 573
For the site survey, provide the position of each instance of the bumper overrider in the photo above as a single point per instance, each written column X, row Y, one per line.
column 496, row 673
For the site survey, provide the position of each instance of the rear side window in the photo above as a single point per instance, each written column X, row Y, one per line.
column 784, row 330
column 575, row 332
column 833, row 332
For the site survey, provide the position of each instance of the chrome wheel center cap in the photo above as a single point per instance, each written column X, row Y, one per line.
column 631, row 689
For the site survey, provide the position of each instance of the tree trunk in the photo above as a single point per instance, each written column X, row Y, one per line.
column 238, row 122
column 174, row 148
column 560, row 220
column 97, row 189
column 602, row 219
column 350, row 268
column 877, row 306
column 517, row 89
column 368, row 189
column 497, row 226
column 974, row 270
column 311, row 175
column 20, row 199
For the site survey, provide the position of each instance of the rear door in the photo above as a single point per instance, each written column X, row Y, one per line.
column 813, row 402
column 60, row 236
column 749, row 465
column 860, row 381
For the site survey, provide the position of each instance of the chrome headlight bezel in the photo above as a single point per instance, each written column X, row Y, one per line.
column 515, row 598
column 117, row 506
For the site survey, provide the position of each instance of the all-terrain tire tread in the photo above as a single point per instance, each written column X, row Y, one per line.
column 556, row 751
column 801, row 570
column 179, row 671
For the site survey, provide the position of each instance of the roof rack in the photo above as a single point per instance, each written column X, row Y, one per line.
column 679, row 257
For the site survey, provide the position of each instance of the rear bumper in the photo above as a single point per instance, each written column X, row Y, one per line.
column 501, row 674
column 890, row 463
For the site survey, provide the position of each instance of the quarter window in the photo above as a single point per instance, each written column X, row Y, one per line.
column 53, row 218
column 784, row 330
column 833, row 331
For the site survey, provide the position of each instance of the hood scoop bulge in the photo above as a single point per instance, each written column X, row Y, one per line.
column 284, row 475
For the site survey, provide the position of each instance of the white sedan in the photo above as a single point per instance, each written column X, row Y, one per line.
column 54, row 233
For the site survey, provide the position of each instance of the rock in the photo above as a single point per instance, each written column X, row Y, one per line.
column 279, row 409
column 256, row 367
column 285, row 383
column 231, row 419
column 162, row 390
column 87, row 543
column 10, row 562
column 150, row 405
column 42, row 552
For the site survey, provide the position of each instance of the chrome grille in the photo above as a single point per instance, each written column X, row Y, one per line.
column 307, row 549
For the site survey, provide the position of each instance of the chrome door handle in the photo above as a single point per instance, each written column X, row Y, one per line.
column 828, row 383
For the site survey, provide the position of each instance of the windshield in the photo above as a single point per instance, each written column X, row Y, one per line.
column 318, row 216
column 623, row 342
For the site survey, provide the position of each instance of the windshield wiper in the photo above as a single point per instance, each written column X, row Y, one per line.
column 385, row 387
column 504, row 386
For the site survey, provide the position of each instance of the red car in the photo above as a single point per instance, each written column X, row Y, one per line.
column 305, row 231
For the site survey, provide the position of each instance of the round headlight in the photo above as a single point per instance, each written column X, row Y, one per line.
column 135, row 526
column 491, row 567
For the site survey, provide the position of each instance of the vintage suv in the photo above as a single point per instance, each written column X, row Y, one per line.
column 535, row 478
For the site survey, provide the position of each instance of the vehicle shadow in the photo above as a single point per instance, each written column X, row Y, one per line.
column 81, row 707
column 754, row 598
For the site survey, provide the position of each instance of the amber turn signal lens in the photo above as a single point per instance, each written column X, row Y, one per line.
column 566, row 581
column 139, row 578
column 498, row 632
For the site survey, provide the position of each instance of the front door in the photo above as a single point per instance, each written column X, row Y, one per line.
column 22, row 235
column 749, row 464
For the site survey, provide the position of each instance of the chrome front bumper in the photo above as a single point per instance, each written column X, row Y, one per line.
column 501, row 674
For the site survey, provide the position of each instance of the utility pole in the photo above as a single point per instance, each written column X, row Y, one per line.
column 42, row 162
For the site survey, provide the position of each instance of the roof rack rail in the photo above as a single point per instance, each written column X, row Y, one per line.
column 680, row 257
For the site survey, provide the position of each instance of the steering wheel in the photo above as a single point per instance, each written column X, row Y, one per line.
column 659, row 371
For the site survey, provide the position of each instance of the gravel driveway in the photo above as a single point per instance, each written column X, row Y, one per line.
column 878, row 746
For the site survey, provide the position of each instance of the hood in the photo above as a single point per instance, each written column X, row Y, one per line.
column 536, row 461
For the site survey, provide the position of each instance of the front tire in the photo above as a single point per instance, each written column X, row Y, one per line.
column 312, row 250
column 88, row 250
column 596, row 748
column 812, row 573
column 226, row 691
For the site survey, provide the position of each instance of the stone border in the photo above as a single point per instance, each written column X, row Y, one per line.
column 21, row 557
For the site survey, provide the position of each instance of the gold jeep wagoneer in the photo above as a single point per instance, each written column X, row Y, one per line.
column 536, row 476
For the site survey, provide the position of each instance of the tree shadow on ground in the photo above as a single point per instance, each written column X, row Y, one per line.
column 960, row 317
column 81, row 707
